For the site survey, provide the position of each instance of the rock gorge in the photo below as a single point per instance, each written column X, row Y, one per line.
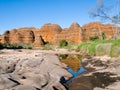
column 53, row 33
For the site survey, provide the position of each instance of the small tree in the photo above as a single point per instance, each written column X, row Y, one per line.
column 102, row 11
column 103, row 36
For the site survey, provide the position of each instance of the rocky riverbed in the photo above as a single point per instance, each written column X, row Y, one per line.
column 31, row 70
column 103, row 73
column 42, row 70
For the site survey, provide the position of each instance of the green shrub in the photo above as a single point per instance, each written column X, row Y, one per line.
column 91, row 48
column 63, row 56
column 93, row 38
column 16, row 46
column 26, row 45
column 47, row 42
column 47, row 46
column 103, row 36
column 63, row 43
column 101, row 47
column 1, row 46
column 13, row 46
column 82, row 47
column 115, row 51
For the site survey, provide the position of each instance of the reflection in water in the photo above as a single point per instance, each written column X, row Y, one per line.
column 74, row 63
column 89, row 82
column 75, row 74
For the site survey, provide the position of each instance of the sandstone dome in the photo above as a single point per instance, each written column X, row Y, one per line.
column 92, row 25
column 6, row 32
column 51, row 27
column 13, row 31
column 74, row 26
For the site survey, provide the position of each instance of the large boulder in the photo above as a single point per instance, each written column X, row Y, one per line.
column 35, row 70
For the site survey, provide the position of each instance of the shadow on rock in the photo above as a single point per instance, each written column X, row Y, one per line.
column 98, row 79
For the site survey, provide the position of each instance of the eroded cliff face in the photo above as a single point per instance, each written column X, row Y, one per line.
column 97, row 28
column 49, row 32
column 73, row 34
column 53, row 33
column 21, row 35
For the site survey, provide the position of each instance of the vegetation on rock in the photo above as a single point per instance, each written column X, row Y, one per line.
column 93, row 38
column 63, row 43
column 97, row 48
column 101, row 47
column 16, row 46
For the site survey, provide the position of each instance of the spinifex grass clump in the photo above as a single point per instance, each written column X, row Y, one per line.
column 12, row 46
column 48, row 46
column 63, row 56
column 63, row 43
column 101, row 47
column 26, row 45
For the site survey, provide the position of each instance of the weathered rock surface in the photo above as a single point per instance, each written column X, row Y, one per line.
column 53, row 33
column 49, row 32
column 38, row 41
column 31, row 70
column 42, row 70
column 21, row 35
column 97, row 28
column 103, row 73
column 73, row 34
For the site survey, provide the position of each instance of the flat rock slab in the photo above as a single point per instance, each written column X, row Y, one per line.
column 31, row 70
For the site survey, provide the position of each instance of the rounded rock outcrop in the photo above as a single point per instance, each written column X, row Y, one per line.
column 74, row 26
column 49, row 32
column 51, row 27
column 24, row 35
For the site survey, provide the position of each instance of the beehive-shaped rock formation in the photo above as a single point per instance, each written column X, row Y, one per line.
column 53, row 33
column 71, row 34
column 49, row 31
column 97, row 28
column 38, row 41
column 22, row 35
column 74, row 26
